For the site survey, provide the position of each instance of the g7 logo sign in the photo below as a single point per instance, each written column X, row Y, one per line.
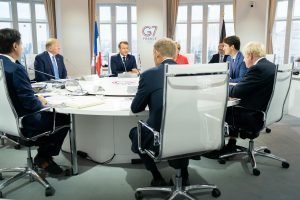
column 149, row 31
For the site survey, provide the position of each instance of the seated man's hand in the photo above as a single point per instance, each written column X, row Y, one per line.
column 135, row 71
column 43, row 100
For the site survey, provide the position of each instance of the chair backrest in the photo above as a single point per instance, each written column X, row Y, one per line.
column 271, row 57
column 194, row 106
column 280, row 92
column 29, row 63
column 109, row 65
column 8, row 115
column 190, row 57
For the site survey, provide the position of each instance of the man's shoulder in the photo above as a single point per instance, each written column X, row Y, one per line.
column 42, row 55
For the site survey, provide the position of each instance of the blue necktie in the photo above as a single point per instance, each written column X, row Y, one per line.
column 55, row 68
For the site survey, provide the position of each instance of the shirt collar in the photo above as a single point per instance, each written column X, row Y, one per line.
column 9, row 57
column 50, row 54
column 234, row 57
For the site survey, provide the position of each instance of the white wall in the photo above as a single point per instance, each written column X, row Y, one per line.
column 150, row 13
column 73, row 33
column 251, row 23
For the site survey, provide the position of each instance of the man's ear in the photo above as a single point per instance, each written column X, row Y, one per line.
column 15, row 45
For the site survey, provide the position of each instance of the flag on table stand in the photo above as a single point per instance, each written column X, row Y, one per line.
column 223, row 32
column 96, row 62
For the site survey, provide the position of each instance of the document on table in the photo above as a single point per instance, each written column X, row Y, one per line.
column 74, row 101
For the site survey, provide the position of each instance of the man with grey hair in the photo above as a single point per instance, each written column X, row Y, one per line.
column 254, row 89
column 150, row 93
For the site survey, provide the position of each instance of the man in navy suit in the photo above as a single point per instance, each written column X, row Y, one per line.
column 25, row 102
column 237, row 67
column 220, row 57
column 254, row 89
column 50, row 64
column 150, row 93
column 123, row 62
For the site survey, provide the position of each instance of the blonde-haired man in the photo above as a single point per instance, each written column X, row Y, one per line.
column 254, row 89
column 150, row 93
column 50, row 64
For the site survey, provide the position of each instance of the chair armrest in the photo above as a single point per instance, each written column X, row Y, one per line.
column 156, row 138
column 249, row 109
column 54, row 128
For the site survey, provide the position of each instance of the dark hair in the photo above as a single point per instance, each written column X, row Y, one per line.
column 8, row 37
column 122, row 42
column 233, row 40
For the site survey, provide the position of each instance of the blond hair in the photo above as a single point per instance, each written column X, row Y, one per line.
column 255, row 48
column 50, row 42
column 166, row 47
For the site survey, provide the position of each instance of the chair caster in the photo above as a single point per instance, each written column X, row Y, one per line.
column 216, row 193
column 1, row 177
column 267, row 151
column 222, row 161
column 1, row 195
column 49, row 191
column 17, row 147
column 138, row 196
column 256, row 172
column 285, row 165
column 268, row 130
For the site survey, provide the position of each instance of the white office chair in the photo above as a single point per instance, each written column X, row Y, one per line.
column 29, row 64
column 271, row 57
column 273, row 114
column 11, row 124
column 281, row 89
column 194, row 105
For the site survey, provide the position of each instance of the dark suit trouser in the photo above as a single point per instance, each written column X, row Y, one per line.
column 241, row 119
column 147, row 143
column 48, row 145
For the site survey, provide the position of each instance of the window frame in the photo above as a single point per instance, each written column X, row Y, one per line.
column 15, row 21
column 205, row 22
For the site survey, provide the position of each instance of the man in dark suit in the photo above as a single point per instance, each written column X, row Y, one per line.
column 237, row 67
column 123, row 62
column 219, row 57
column 50, row 64
column 150, row 93
column 25, row 102
column 254, row 89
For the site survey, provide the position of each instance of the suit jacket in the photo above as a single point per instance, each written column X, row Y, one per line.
column 216, row 58
column 237, row 69
column 117, row 66
column 150, row 92
column 20, row 90
column 43, row 63
column 256, row 88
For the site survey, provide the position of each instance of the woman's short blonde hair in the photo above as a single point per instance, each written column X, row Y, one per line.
column 50, row 42
column 255, row 48
column 166, row 47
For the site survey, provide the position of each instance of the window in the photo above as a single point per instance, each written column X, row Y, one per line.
column 116, row 23
column 198, row 27
column 29, row 17
column 286, row 31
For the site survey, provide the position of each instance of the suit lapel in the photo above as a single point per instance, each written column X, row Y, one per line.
column 49, row 62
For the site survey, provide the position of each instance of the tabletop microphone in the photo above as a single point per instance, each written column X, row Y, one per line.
column 42, row 72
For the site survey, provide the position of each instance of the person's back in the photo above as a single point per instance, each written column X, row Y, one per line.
column 256, row 88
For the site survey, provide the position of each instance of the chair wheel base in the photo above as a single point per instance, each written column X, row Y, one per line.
column 285, row 165
column 138, row 196
column 216, row 193
column 49, row 191
column 256, row 172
